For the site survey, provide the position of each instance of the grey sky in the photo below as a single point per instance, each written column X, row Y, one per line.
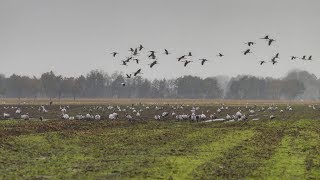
column 72, row 37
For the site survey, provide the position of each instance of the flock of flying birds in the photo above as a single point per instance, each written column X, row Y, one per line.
column 152, row 55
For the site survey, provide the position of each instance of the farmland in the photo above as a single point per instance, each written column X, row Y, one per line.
column 285, row 147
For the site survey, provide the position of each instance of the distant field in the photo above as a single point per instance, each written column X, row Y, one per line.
column 150, row 149
column 104, row 101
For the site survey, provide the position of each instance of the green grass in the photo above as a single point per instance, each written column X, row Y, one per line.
column 160, row 150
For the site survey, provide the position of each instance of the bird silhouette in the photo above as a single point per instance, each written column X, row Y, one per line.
column 250, row 43
column 273, row 60
column 247, row 51
column 262, row 62
column 137, row 60
column 140, row 47
column 266, row 37
column 131, row 49
column 203, row 61
column 189, row 54
column 166, row 52
column 270, row 41
column 220, row 55
column 137, row 72
column 152, row 55
column 303, row 58
column 135, row 52
column 123, row 84
column 124, row 63
column 293, row 57
column 128, row 76
column 310, row 58
column 153, row 63
column 114, row 54
column 277, row 55
column 182, row 57
column 186, row 62
column 128, row 59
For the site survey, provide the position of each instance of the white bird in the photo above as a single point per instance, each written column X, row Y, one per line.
column 113, row 116
column 203, row 116
column 213, row 116
column 97, row 117
column 6, row 116
column 129, row 117
column 25, row 117
column 238, row 114
column 157, row 117
column 165, row 114
column 63, row 110
column 88, row 117
column 193, row 117
column 79, row 117
column 18, row 111
column 65, row 116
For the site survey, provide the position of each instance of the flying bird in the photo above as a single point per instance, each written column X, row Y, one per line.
column 262, row 62
column 277, row 55
column 247, row 51
column 182, row 57
column 250, row 43
column 140, row 47
column 186, row 62
column 114, row 54
column 131, row 49
column 123, row 84
column 166, row 52
column 137, row 72
column 310, row 58
column 128, row 76
column 152, row 55
column 203, row 61
column 124, row 63
column 153, row 63
column 137, row 60
column 303, row 58
column 293, row 57
column 135, row 52
column 266, row 37
column 128, row 59
column 270, row 41
column 220, row 55
column 273, row 60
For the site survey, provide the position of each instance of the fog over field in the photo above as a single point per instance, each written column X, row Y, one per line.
column 159, row 89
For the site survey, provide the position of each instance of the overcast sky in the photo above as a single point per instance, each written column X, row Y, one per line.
column 72, row 37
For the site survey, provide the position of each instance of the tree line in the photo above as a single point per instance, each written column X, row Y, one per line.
column 98, row 84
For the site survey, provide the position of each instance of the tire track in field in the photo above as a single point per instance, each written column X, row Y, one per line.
column 244, row 158
column 195, row 151
column 298, row 155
